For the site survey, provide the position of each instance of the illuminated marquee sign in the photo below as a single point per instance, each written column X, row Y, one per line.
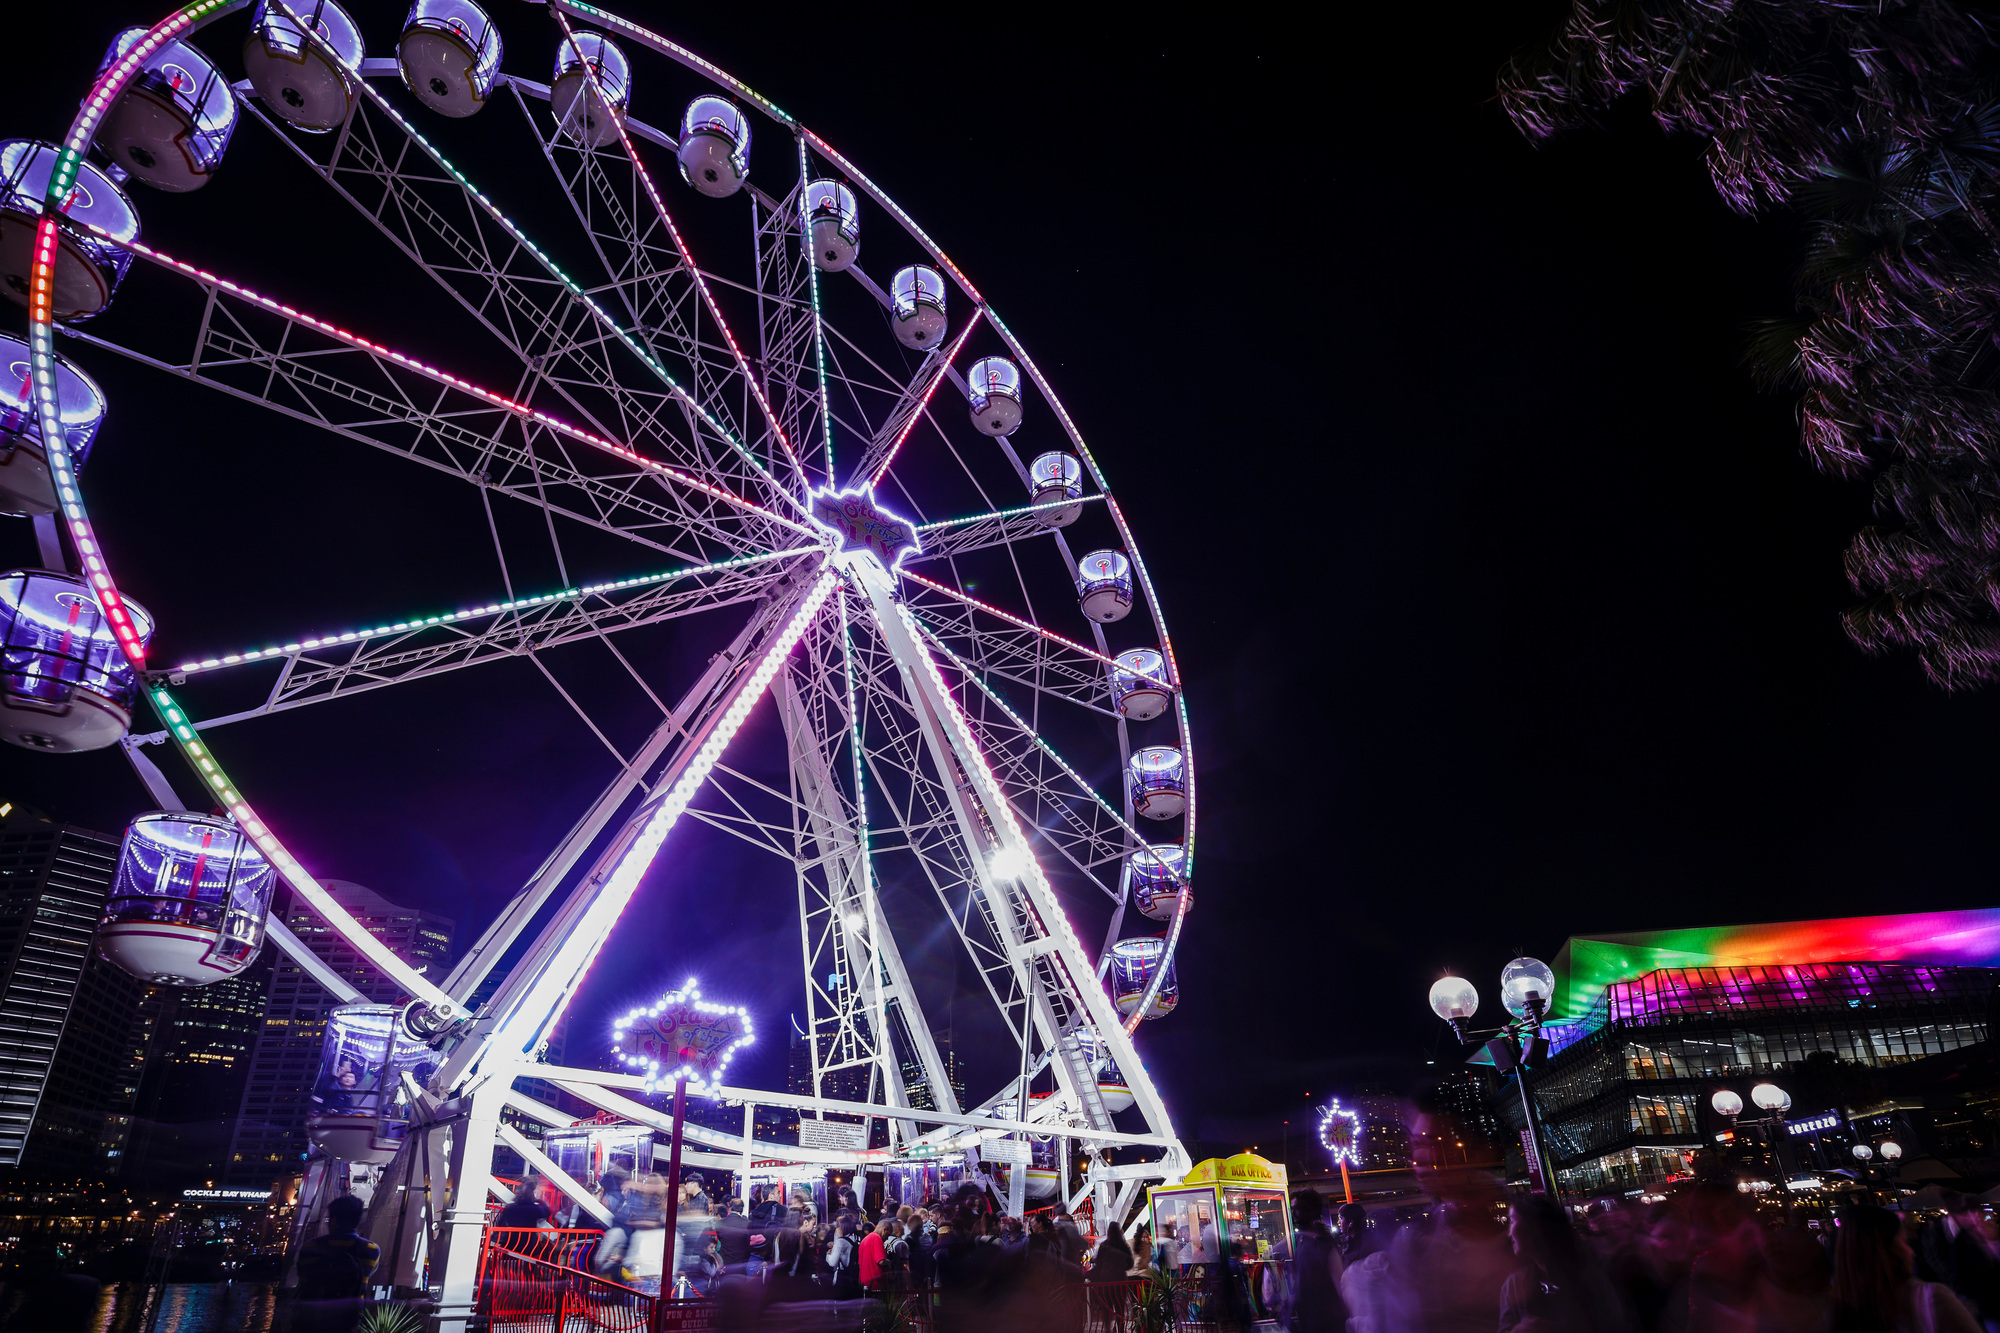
column 247, row 1196
column 863, row 525
column 1815, row 1123
column 682, row 1036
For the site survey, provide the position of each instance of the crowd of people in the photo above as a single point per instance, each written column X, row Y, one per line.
column 1701, row 1259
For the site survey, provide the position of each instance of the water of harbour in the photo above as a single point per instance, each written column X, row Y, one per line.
column 188, row 1307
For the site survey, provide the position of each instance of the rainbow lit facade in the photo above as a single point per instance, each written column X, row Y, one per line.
column 1589, row 965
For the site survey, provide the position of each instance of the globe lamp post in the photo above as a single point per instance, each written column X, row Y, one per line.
column 1526, row 988
column 1772, row 1102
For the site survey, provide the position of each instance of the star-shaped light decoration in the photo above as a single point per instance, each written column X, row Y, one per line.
column 863, row 525
column 1340, row 1132
column 682, row 1036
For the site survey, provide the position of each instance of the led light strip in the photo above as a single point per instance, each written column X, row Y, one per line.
column 41, row 347
column 918, row 415
column 203, row 762
column 474, row 613
column 969, row 748
column 438, row 376
column 637, row 348
column 1051, row 635
column 1074, row 776
column 812, row 285
column 701, row 284
column 854, row 174
column 553, row 990
column 876, row 923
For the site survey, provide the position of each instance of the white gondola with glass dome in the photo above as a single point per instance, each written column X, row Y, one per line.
column 89, row 264
column 1156, row 877
column 590, row 88
column 993, row 392
column 449, row 56
column 917, row 306
column 190, row 901
column 715, row 147
column 1140, row 690
column 65, row 684
column 834, row 219
column 873, row 656
column 27, row 487
column 1052, row 478
column 1134, row 964
column 173, row 124
column 1104, row 586
column 360, row 1105
column 309, row 83
column 1159, row 782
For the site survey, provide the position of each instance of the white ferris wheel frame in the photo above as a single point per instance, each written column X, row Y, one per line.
column 874, row 639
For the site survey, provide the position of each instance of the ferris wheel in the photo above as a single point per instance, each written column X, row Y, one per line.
column 762, row 394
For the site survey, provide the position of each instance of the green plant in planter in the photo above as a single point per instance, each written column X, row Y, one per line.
column 390, row 1317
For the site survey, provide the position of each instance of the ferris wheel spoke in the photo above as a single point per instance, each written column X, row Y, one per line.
column 258, row 349
column 339, row 665
column 910, row 408
column 788, row 447
column 390, row 174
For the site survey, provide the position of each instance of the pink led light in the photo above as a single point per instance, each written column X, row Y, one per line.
column 1013, row 619
column 918, row 415
column 687, row 258
column 445, row 377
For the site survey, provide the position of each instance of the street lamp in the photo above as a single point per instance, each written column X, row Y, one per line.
column 1773, row 1101
column 1890, row 1150
column 1526, row 987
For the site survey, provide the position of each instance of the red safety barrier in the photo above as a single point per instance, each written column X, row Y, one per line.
column 518, row 1294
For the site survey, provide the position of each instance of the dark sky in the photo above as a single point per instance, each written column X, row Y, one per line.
column 1507, row 606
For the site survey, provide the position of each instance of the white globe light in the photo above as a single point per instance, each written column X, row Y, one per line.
column 1454, row 997
column 1770, row 1097
column 1891, row 1150
column 1727, row 1103
column 1863, row 1151
column 1525, row 980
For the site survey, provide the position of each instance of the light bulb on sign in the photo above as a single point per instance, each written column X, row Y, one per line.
column 682, row 1037
column 1340, row 1133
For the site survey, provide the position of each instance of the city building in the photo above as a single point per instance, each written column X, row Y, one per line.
column 1385, row 1130
column 66, row 1016
column 270, row 1135
column 1646, row 1027
column 195, row 1064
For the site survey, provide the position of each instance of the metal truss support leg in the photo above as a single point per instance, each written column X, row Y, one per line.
column 456, row 1255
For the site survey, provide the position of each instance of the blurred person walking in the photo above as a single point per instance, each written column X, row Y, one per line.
column 334, row 1270
column 1559, row 1287
column 1875, row 1287
column 1312, row 1302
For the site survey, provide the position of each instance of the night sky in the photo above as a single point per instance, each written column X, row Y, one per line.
column 1506, row 604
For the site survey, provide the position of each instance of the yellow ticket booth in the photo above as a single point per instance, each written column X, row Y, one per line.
column 1230, row 1221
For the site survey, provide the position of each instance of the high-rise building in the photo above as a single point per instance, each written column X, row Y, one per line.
column 1385, row 1131
column 196, row 1061
column 65, row 1016
column 270, row 1138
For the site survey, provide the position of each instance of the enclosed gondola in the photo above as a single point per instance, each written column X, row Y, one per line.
column 1139, row 688
column 1156, row 877
column 1104, row 586
column 65, row 684
column 449, row 55
column 1133, row 965
column 993, row 391
column 590, row 89
column 833, row 225
column 715, row 146
column 1159, row 782
column 27, row 486
column 310, row 83
column 1052, row 479
column 359, row 1108
column 190, row 901
column 916, row 302
column 172, row 124
column 88, row 265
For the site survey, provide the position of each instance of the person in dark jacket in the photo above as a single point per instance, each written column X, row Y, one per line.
column 334, row 1271
column 1314, row 1297
column 525, row 1211
column 732, row 1235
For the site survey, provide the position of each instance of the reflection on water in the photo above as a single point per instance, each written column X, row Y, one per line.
column 189, row 1307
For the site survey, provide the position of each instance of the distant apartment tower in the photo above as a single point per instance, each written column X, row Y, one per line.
column 1385, row 1131
column 270, row 1138
column 66, row 1016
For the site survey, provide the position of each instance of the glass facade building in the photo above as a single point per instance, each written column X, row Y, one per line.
column 1625, row 1093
